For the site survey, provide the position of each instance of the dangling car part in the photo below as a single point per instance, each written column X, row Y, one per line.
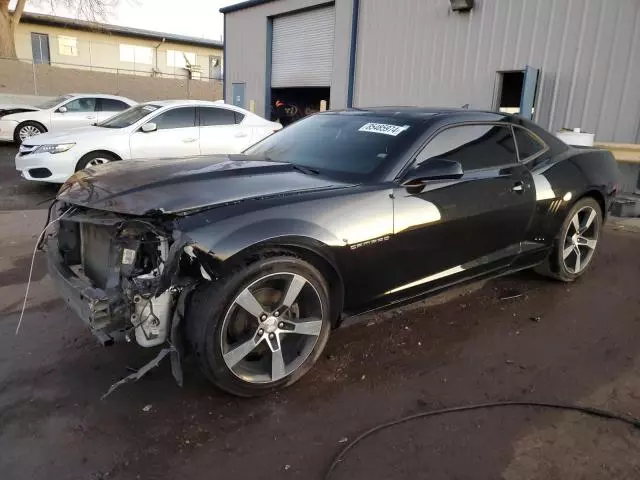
column 248, row 261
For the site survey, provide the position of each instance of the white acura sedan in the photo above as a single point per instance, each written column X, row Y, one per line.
column 19, row 122
column 162, row 129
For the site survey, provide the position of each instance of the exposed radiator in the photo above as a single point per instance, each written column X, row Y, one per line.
column 99, row 253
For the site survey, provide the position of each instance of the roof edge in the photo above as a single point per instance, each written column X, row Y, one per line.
column 242, row 5
column 83, row 25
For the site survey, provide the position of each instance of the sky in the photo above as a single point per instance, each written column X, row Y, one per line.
column 196, row 18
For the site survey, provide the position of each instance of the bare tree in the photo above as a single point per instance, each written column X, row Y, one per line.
column 87, row 9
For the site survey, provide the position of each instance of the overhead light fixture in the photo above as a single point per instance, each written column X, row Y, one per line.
column 461, row 5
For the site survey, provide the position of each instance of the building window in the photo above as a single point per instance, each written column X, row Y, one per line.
column 178, row 59
column 136, row 54
column 215, row 67
column 40, row 48
column 68, row 46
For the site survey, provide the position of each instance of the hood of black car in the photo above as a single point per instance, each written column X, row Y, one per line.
column 142, row 187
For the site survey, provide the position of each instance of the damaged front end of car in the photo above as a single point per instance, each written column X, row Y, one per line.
column 126, row 277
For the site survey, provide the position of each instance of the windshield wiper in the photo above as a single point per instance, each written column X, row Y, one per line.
column 305, row 170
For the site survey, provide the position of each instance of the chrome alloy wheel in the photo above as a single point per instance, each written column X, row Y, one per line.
column 28, row 131
column 271, row 327
column 581, row 240
column 97, row 161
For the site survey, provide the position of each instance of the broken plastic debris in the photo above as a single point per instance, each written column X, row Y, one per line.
column 140, row 373
column 510, row 293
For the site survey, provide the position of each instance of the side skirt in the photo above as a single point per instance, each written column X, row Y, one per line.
column 351, row 318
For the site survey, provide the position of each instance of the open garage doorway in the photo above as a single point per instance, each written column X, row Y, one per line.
column 300, row 66
column 291, row 104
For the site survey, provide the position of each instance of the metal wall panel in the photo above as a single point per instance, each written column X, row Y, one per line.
column 419, row 52
column 246, row 48
column 303, row 48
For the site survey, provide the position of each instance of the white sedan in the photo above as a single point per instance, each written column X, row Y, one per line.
column 19, row 122
column 162, row 129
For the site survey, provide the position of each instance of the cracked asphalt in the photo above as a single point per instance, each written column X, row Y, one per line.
column 549, row 342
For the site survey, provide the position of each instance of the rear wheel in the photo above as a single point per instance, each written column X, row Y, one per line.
column 94, row 159
column 577, row 243
column 261, row 328
column 27, row 130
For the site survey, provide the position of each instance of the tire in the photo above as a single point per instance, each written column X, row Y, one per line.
column 26, row 130
column 562, row 264
column 216, row 324
column 93, row 159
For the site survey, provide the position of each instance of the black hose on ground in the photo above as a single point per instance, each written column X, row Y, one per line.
column 596, row 412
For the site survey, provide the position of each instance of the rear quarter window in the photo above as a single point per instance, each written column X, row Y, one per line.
column 528, row 144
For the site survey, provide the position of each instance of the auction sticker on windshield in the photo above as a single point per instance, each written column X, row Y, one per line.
column 384, row 128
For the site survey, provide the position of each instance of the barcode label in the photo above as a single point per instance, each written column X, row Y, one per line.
column 384, row 128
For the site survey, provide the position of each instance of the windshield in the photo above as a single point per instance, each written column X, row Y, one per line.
column 129, row 116
column 349, row 146
column 52, row 103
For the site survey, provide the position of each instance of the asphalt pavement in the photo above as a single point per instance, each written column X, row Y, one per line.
column 520, row 337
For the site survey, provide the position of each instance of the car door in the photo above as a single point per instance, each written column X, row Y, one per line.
column 176, row 135
column 453, row 228
column 79, row 112
column 222, row 131
column 108, row 107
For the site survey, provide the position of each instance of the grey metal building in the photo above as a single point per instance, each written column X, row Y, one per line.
column 567, row 63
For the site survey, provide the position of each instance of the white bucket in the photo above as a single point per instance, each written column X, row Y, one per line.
column 576, row 137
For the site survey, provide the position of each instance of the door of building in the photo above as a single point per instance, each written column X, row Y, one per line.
column 237, row 94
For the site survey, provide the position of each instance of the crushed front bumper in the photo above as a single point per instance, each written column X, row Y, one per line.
column 101, row 312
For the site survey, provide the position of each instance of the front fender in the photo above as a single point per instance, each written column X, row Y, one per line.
column 224, row 245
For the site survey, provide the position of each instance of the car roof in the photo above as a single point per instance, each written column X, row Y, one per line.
column 101, row 95
column 196, row 103
column 424, row 113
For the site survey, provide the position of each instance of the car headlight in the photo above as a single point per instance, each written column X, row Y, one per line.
column 59, row 148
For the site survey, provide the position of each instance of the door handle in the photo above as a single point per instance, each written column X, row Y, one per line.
column 518, row 187
column 90, row 117
column 189, row 140
column 241, row 134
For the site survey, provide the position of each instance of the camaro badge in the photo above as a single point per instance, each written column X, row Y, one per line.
column 370, row 242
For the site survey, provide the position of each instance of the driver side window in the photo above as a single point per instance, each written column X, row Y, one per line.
column 474, row 146
column 81, row 105
column 184, row 117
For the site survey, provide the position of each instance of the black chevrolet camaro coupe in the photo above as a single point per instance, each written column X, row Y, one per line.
column 249, row 261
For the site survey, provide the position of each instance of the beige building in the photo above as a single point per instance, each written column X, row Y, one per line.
column 69, row 43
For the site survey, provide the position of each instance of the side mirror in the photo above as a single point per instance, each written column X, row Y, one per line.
column 149, row 127
column 434, row 169
column 62, row 110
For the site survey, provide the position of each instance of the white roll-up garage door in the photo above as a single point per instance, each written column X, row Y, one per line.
column 302, row 53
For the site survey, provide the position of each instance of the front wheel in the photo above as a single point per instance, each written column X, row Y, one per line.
column 577, row 243
column 262, row 327
column 94, row 159
column 27, row 130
